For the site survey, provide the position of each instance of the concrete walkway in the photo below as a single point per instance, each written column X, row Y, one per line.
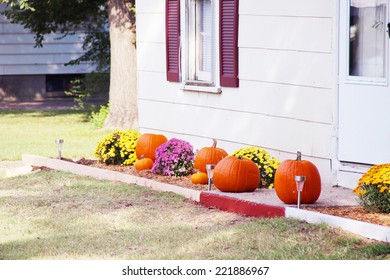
column 329, row 197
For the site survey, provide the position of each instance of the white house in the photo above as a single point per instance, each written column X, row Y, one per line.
column 284, row 75
column 35, row 73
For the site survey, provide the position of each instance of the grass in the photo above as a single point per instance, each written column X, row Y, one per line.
column 34, row 132
column 65, row 216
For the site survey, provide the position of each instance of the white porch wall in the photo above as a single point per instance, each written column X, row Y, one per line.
column 285, row 102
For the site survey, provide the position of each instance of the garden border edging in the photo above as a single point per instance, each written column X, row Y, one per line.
column 220, row 201
column 104, row 174
column 372, row 231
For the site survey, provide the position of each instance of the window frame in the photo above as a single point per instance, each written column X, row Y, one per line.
column 188, row 63
column 191, row 48
column 225, row 45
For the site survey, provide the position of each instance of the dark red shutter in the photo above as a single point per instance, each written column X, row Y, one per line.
column 228, row 42
column 172, row 31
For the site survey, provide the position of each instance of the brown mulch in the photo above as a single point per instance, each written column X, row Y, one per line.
column 351, row 212
column 354, row 213
column 184, row 181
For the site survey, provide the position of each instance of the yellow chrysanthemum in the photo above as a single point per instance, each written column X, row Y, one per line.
column 373, row 188
column 118, row 147
column 267, row 164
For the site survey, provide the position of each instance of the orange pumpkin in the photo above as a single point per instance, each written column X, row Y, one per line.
column 208, row 155
column 147, row 144
column 143, row 163
column 285, row 185
column 236, row 174
column 199, row 178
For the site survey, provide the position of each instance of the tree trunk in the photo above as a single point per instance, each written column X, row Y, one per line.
column 123, row 76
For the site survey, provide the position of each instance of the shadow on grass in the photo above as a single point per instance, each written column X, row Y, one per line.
column 149, row 244
column 131, row 243
column 84, row 114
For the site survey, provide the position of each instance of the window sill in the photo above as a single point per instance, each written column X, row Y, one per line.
column 201, row 88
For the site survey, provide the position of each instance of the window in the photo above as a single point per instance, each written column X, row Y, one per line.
column 201, row 40
column 367, row 39
column 60, row 82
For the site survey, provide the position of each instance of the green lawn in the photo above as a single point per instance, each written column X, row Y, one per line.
column 34, row 132
column 65, row 216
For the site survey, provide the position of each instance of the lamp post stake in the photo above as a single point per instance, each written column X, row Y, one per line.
column 210, row 173
column 59, row 143
column 300, row 181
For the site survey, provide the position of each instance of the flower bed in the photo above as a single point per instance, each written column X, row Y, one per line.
column 174, row 164
column 351, row 212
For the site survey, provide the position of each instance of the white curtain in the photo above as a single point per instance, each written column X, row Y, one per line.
column 367, row 38
column 206, row 35
column 367, row 3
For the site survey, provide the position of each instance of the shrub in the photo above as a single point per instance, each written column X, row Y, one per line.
column 86, row 87
column 97, row 118
column 373, row 189
column 267, row 164
column 118, row 148
column 174, row 158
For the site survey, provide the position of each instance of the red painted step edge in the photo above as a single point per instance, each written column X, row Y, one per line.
column 239, row 206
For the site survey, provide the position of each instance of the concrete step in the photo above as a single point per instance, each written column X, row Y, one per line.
column 14, row 168
column 350, row 173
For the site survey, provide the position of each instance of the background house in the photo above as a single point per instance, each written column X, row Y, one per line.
column 28, row 73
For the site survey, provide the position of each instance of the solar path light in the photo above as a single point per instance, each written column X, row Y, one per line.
column 210, row 173
column 300, row 181
column 59, row 143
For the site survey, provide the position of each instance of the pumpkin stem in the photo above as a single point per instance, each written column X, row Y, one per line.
column 299, row 156
column 214, row 143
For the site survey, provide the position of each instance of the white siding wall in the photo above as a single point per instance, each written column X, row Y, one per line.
column 285, row 102
column 19, row 57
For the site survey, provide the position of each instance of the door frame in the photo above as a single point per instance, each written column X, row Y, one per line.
column 359, row 83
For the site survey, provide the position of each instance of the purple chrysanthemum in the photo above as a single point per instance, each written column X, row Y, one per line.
column 174, row 158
